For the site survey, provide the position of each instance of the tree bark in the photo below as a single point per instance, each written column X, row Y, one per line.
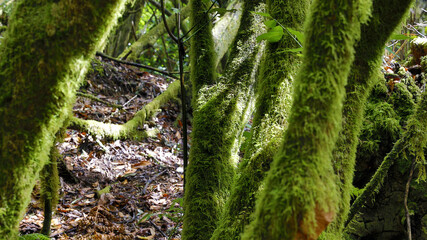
column 44, row 56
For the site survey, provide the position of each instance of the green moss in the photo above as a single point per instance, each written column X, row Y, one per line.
column 410, row 146
column 301, row 185
column 45, row 54
column 221, row 111
column 272, row 108
column 402, row 101
column 202, row 55
column 362, row 78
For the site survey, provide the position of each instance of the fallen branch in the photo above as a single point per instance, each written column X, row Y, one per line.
column 131, row 128
column 136, row 65
column 98, row 100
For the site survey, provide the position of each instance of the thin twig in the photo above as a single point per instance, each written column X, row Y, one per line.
column 181, row 53
column 98, row 100
column 158, row 6
column 158, row 229
column 150, row 180
column 136, row 65
column 408, row 216
column 174, row 38
column 197, row 23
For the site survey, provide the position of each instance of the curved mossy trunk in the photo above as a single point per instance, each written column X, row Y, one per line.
column 125, row 31
column 386, row 15
column 299, row 196
column 44, row 56
column 220, row 113
column 270, row 119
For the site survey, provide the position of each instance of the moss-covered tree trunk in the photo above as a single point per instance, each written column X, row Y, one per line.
column 386, row 15
column 220, row 112
column 299, row 197
column 270, row 119
column 44, row 56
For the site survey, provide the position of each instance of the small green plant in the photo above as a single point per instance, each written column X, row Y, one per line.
column 276, row 31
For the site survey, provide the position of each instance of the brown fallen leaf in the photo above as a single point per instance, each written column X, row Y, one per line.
column 323, row 219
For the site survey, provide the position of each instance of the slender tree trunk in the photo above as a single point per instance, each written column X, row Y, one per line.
column 299, row 197
column 386, row 15
column 125, row 31
column 44, row 56
column 220, row 112
column 272, row 108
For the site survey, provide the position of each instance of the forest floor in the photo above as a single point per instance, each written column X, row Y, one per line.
column 118, row 189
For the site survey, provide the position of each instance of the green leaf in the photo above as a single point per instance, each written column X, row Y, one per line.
column 262, row 14
column 299, row 35
column 293, row 50
column 270, row 23
column 221, row 11
column 390, row 50
column 270, row 36
column 400, row 37
column 176, row 10
column 274, row 35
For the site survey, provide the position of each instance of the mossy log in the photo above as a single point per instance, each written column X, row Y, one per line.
column 220, row 113
column 300, row 195
column 43, row 58
column 386, row 15
column 273, row 93
column 131, row 129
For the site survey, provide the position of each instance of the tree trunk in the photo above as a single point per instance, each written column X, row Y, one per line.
column 299, row 197
column 272, row 108
column 125, row 31
column 44, row 56
column 386, row 15
column 220, row 112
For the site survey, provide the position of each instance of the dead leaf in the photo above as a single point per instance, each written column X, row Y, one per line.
column 323, row 219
